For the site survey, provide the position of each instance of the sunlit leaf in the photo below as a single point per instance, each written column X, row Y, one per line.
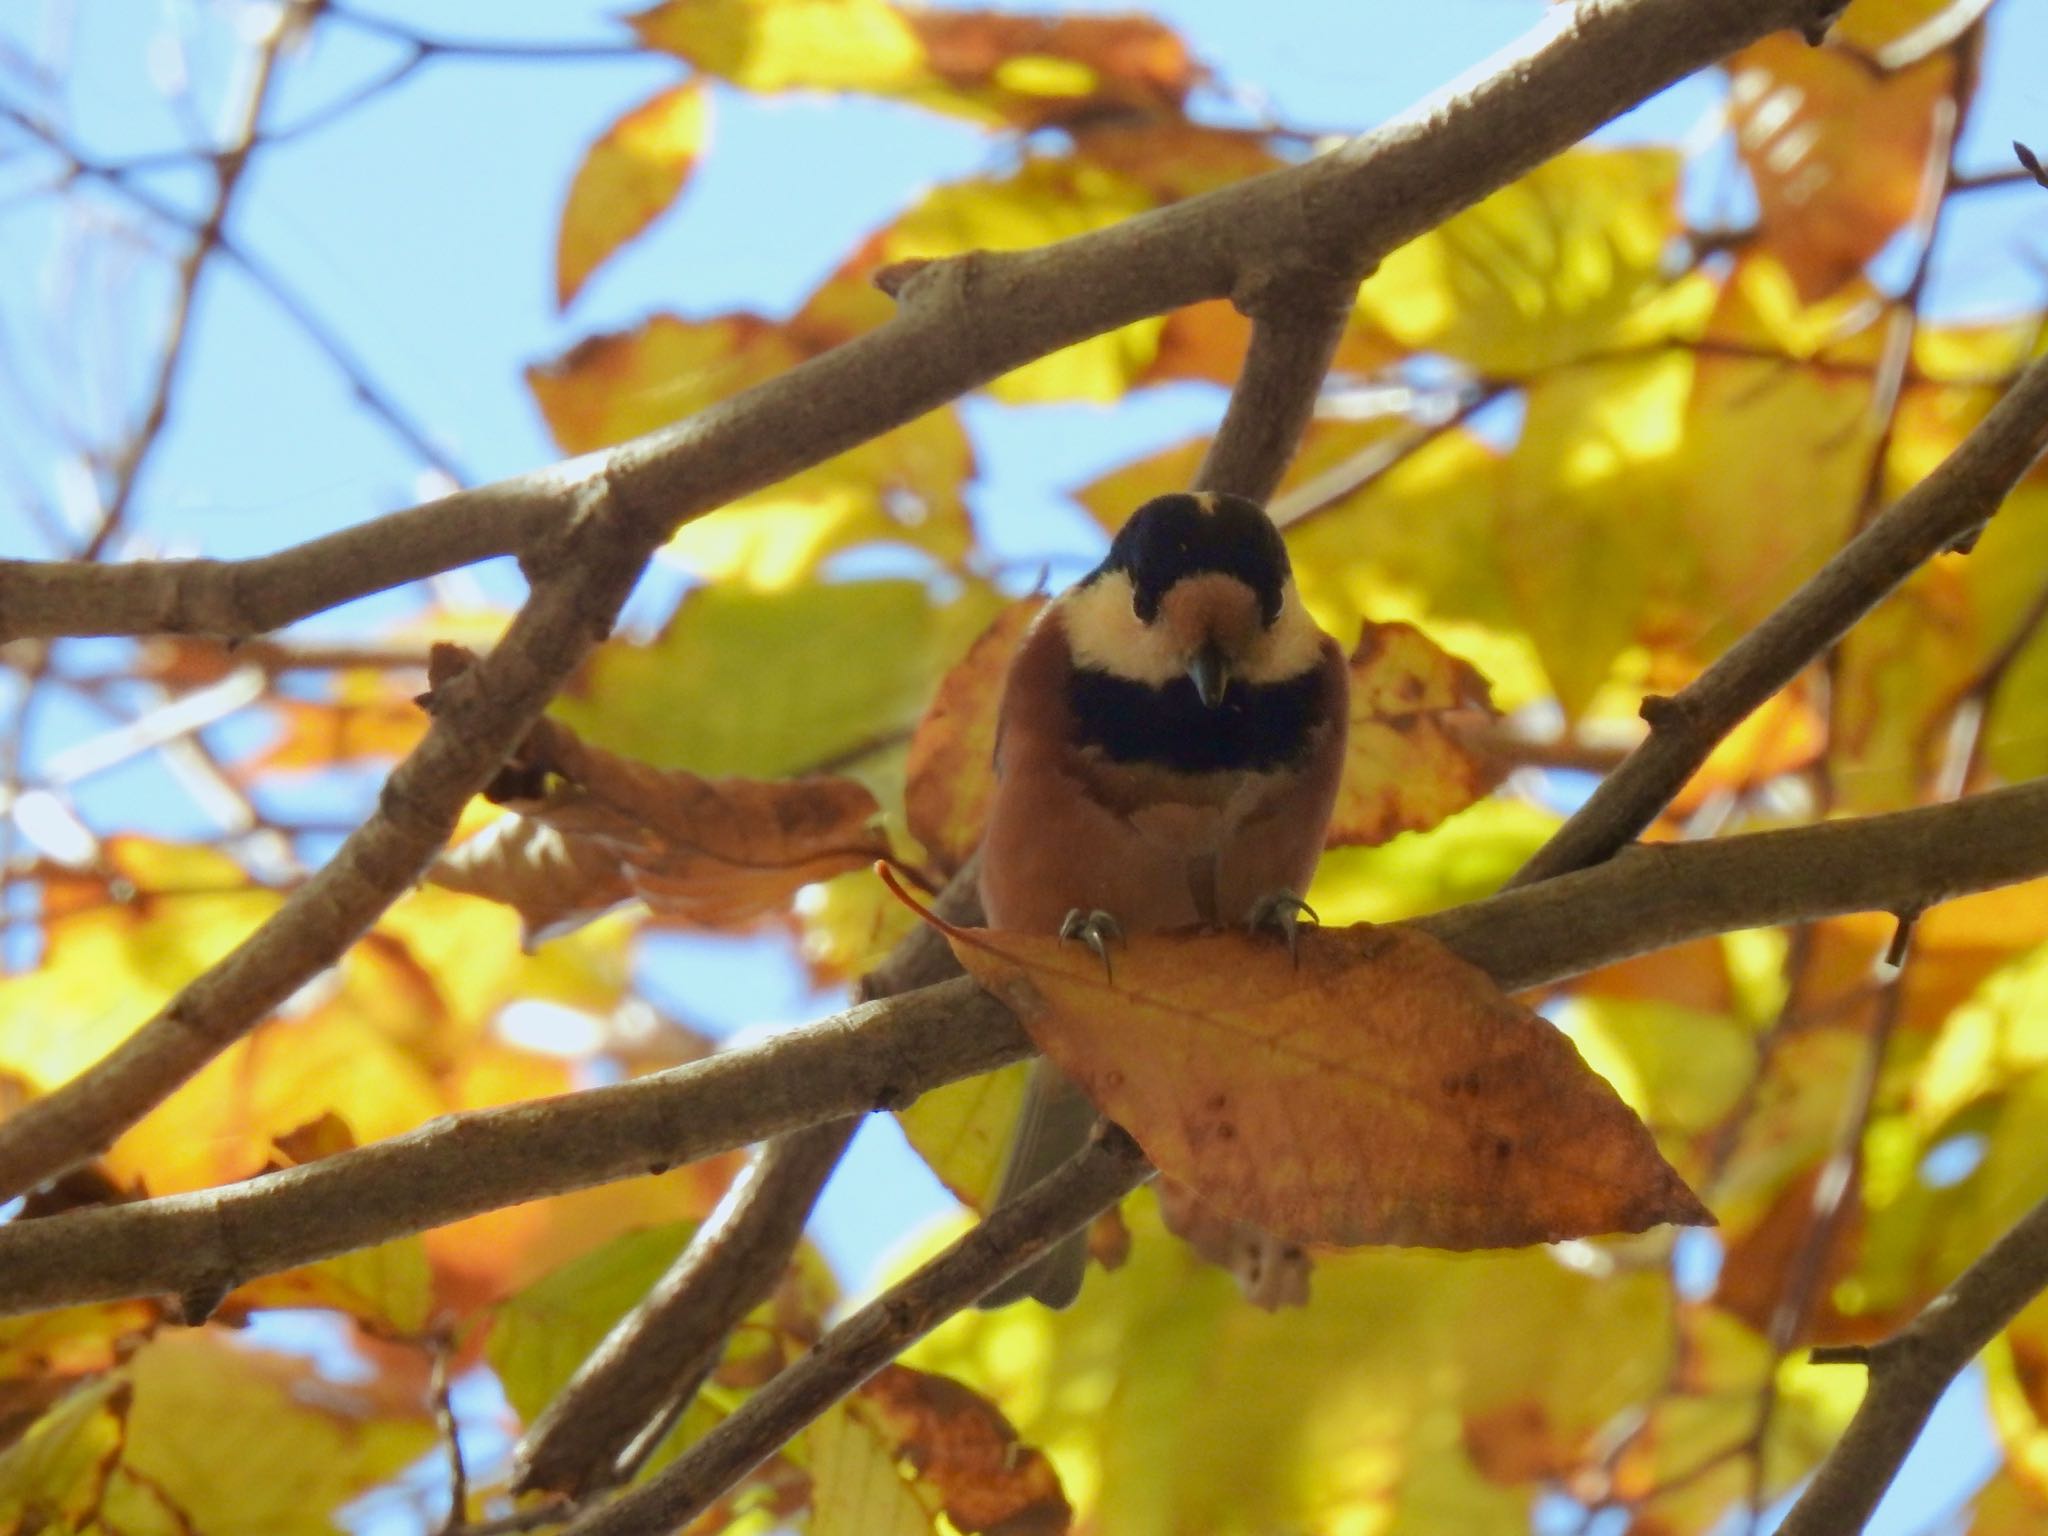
column 1372, row 1089
column 989, row 66
column 637, row 167
column 1569, row 261
column 1585, row 528
column 1410, row 760
column 964, row 1458
column 1837, row 151
column 963, row 1130
column 1901, row 32
column 903, row 487
column 825, row 671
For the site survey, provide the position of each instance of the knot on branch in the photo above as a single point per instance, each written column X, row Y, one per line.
column 1667, row 715
column 1299, row 290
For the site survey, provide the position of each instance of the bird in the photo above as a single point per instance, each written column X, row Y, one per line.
column 1168, row 749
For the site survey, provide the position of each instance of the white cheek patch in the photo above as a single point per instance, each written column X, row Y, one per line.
column 1292, row 646
column 1104, row 634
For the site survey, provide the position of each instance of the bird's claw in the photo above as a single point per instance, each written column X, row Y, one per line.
column 1281, row 912
column 1097, row 930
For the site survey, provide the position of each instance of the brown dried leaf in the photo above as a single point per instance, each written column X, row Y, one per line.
column 964, row 1451
column 1380, row 1090
column 594, row 829
column 1408, row 764
column 951, row 769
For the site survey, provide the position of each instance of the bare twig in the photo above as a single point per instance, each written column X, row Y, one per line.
column 1959, row 497
column 883, row 1054
column 1910, row 1371
column 205, row 240
column 663, row 1349
column 451, row 1437
column 1109, row 1168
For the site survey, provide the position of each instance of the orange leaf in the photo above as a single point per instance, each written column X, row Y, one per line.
column 594, row 829
column 965, row 1452
column 1407, row 766
column 1837, row 150
column 628, row 177
column 951, row 769
column 1379, row 1091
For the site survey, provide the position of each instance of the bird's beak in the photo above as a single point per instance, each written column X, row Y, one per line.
column 1210, row 673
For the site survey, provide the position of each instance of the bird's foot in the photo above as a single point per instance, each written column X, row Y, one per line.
column 1281, row 912
column 1095, row 929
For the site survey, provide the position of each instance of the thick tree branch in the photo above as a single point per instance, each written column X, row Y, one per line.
column 1098, row 1176
column 1948, row 506
column 1910, row 1371
column 655, row 1360
column 980, row 316
column 885, row 1053
column 663, row 1349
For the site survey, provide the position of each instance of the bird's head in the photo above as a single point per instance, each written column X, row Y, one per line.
column 1195, row 587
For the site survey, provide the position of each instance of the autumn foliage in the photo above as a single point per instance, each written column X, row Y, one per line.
column 1570, row 1246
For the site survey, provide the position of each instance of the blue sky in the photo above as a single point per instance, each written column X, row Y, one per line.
column 420, row 229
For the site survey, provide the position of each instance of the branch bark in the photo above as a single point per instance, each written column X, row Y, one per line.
column 656, row 1359
column 882, row 1054
column 1298, row 318
column 663, row 1349
column 1910, row 1371
column 1942, row 510
column 1098, row 1176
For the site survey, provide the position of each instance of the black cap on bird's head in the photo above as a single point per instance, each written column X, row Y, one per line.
column 1184, row 534
column 1195, row 587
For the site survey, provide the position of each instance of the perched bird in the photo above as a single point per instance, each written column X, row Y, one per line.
column 1168, row 749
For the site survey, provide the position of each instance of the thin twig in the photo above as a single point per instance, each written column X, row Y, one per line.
column 1109, row 1168
column 884, row 1054
column 1910, row 1371
column 1957, row 498
column 451, row 1439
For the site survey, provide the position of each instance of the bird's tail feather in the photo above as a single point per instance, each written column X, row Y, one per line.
column 1056, row 1122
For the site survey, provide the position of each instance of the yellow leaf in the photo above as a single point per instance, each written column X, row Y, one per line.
column 670, row 703
column 627, row 179
column 775, row 45
column 963, row 1457
column 1901, row 32
column 1469, row 856
column 903, row 487
column 1585, row 527
column 963, row 1130
column 856, row 1489
column 1566, row 262
column 1371, row 1089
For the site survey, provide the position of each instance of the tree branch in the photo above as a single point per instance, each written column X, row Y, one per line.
column 656, row 1359
column 883, row 1054
column 662, row 1350
column 1910, row 1371
column 1098, row 1176
column 1950, row 504
column 1297, row 320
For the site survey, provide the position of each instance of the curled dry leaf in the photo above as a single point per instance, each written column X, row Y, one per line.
column 592, row 830
column 952, row 754
column 964, row 1453
column 1382, row 1090
column 1409, row 762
